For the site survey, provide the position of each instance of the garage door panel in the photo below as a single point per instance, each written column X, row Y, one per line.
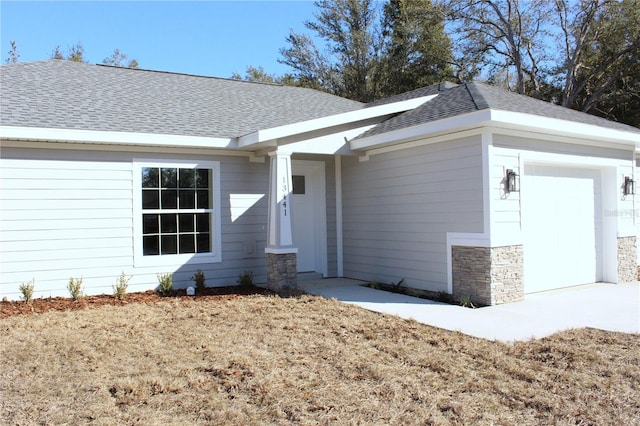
column 561, row 227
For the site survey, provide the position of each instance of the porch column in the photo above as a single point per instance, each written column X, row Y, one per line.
column 282, row 264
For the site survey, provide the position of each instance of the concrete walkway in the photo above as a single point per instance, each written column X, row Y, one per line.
column 614, row 307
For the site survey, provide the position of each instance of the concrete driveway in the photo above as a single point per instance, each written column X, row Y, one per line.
column 614, row 307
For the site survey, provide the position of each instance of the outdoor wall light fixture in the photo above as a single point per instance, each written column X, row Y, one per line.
column 512, row 181
column 629, row 186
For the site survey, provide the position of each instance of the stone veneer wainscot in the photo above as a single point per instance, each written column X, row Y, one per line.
column 488, row 275
column 282, row 271
column 627, row 263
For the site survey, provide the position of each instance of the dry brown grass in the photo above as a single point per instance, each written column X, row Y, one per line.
column 269, row 360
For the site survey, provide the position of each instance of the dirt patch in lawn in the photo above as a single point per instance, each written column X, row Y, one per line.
column 263, row 359
column 10, row 308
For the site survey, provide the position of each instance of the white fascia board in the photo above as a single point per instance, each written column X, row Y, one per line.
column 116, row 138
column 330, row 121
column 453, row 124
column 506, row 119
column 568, row 128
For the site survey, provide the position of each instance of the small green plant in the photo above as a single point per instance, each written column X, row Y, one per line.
column 121, row 285
column 27, row 291
column 465, row 302
column 245, row 278
column 75, row 288
column 199, row 279
column 374, row 284
column 166, row 283
column 396, row 286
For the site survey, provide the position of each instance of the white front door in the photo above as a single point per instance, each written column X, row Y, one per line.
column 309, row 215
column 562, row 227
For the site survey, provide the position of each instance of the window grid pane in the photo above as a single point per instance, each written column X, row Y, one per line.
column 187, row 243
column 168, row 244
column 169, row 178
column 150, row 199
column 150, row 177
column 187, row 179
column 187, row 199
column 150, row 245
column 169, row 199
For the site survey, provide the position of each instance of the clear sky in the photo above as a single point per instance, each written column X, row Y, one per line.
column 213, row 38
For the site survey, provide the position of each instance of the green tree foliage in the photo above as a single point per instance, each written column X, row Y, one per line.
column 371, row 49
column 599, row 63
column 13, row 56
column 75, row 53
column 582, row 54
column 417, row 52
column 349, row 64
column 258, row 75
column 119, row 59
column 504, row 40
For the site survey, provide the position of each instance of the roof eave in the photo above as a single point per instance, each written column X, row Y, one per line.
column 565, row 128
column 289, row 130
column 501, row 119
column 113, row 138
column 433, row 128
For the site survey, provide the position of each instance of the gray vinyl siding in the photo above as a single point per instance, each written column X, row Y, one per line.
column 399, row 207
column 243, row 240
column 505, row 206
column 70, row 213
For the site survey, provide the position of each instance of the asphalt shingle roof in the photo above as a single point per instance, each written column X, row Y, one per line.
column 434, row 89
column 454, row 100
column 70, row 95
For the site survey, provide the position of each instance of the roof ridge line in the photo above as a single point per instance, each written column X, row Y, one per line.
column 66, row 61
column 189, row 75
column 473, row 97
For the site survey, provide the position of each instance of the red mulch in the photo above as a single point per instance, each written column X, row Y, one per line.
column 10, row 308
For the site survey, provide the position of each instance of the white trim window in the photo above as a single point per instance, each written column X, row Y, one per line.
column 176, row 211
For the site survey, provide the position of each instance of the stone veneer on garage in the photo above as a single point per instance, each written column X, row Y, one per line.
column 282, row 271
column 627, row 264
column 488, row 275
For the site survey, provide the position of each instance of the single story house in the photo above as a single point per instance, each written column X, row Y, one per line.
column 465, row 189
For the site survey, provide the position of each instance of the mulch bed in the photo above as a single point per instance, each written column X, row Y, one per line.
column 11, row 308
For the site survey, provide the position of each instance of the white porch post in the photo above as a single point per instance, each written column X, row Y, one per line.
column 281, row 254
column 339, row 232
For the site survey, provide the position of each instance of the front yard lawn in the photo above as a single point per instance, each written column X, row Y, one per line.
column 262, row 359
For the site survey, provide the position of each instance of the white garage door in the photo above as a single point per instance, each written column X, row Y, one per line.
column 562, row 227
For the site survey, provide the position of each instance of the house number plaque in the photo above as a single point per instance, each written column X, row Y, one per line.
column 285, row 191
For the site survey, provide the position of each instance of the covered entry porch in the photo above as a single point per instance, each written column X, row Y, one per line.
column 304, row 226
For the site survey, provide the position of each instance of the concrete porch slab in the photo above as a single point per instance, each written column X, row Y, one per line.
column 613, row 307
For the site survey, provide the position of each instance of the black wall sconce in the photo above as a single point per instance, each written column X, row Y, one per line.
column 512, row 181
column 629, row 186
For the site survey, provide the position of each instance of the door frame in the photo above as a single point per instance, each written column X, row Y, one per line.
column 316, row 171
